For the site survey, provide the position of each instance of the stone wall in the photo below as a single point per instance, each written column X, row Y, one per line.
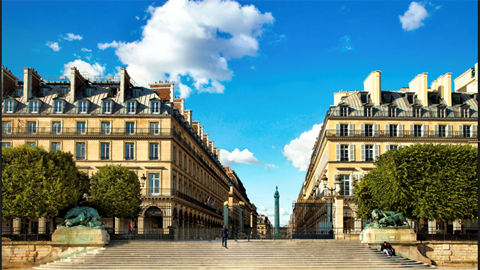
column 451, row 253
column 26, row 254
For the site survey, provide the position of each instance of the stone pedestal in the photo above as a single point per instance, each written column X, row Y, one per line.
column 83, row 236
column 391, row 235
column 338, row 217
column 42, row 225
column 16, row 225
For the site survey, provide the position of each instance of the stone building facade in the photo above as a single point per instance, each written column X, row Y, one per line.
column 112, row 120
column 361, row 125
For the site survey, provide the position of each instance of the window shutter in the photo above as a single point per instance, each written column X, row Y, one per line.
column 449, row 130
column 400, row 130
column 86, row 126
column 411, row 130
column 337, row 129
column 61, row 127
column 351, row 129
column 425, row 130
column 460, row 130
column 376, row 149
column 375, row 130
column 387, row 147
column 362, row 152
column 337, row 148
column 362, row 130
column 351, row 152
column 387, row 130
column 473, row 131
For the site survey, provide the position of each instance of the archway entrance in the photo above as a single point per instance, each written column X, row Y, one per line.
column 153, row 221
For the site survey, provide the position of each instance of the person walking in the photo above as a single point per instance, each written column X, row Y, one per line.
column 224, row 235
column 130, row 229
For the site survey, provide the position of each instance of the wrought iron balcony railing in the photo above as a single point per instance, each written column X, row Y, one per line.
column 404, row 133
column 353, row 112
column 86, row 131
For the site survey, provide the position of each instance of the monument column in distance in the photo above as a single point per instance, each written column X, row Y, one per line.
column 277, row 209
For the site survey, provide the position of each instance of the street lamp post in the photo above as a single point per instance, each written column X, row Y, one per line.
column 142, row 183
column 337, row 188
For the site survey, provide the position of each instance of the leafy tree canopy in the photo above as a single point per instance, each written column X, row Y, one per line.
column 115, row 192
column 422, row 181
column 36, row 182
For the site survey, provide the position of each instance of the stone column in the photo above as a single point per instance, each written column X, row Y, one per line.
column 432, row 226
column 42, row 225
column 338, row 230
column 457, row 226
column 118, row 225
column 357, row 225
column 225, row 214
column 16, row 225
column 140, row 225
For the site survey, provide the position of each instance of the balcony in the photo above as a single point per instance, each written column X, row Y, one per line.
column 403, row 134
column 360, row 112
column 69, row 131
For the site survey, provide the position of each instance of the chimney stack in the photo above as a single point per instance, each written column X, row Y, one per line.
column 373, row 85
column 9, row 81
column 188, row 116
column 164, row 91
column 420, row 87
column 444, row 87
column 76, row 82
column 124, row 84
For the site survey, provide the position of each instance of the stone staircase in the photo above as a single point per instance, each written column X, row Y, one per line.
column 283, row 254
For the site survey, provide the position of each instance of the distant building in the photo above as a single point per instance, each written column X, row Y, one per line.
column 264, row 227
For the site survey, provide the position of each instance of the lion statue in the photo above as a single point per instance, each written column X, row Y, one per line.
column 82, row 216
column 383, row 219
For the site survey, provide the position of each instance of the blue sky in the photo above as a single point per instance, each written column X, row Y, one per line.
column 259, row 75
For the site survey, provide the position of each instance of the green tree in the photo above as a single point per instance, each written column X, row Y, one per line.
column 422, row 181
column 115, row 192
column 37, row 183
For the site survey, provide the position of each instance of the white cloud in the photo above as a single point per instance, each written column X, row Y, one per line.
column 270, row 166
column 136, row 17
column 103, row 46
column 54, row 46
column 252, row 67
column 413, row 17
column 236, row 156
column 93, row 70
column 85, row 50
column 298, row 151
column 71, row 37
column 192, row 40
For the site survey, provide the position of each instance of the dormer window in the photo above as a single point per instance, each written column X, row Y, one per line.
column 417, row 112
column 368, row 111
column 410, row 98
column 9, row 106
column 442, row 112
column 33, row 106
column 364, row 97
column 131, row 107
column 136, row 93
column 83, row 106
column 58, row 106
column 89, row 92
column 392, row 112
column 343, row 111
column 65, row 90
column 155, row 107
column 465, row 112
column 107, row 106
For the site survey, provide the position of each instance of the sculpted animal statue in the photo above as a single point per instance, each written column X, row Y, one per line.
column 382, row 219
column 83, row 217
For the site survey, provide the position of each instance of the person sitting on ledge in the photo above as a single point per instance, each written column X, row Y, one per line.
column 388, row 249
